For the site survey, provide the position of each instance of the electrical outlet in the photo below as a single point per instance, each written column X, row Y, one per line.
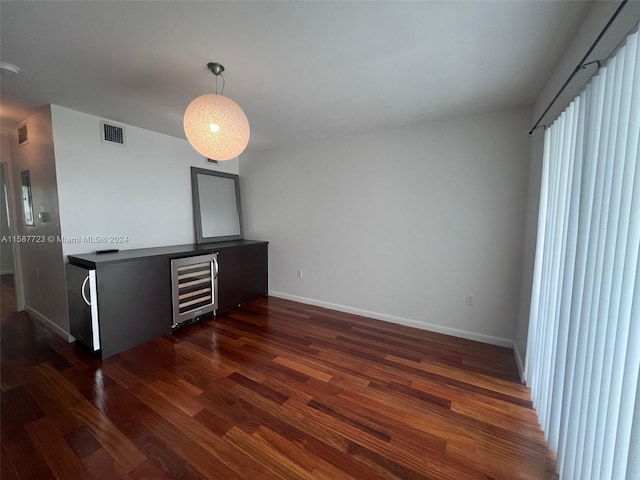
column 470, row 299
column 299, row 273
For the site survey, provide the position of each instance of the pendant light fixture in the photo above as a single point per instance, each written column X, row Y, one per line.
column 215, row 125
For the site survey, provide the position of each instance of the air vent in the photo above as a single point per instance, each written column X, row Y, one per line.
column 23, row 136
column 111, row 133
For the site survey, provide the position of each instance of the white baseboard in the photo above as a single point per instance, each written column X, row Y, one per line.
column 39, row 317
column 455, row 332
column 6, row 272
column 519, row 362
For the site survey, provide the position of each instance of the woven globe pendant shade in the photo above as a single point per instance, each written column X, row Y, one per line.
column 216, row 127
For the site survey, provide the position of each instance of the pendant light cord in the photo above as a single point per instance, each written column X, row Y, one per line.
column 223, row 82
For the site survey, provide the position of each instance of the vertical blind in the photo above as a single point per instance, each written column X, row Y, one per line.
column 583, row 352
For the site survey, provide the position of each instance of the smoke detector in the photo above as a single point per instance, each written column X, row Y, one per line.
column 9, row 69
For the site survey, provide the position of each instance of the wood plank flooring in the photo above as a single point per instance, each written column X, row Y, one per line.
column 273, row 390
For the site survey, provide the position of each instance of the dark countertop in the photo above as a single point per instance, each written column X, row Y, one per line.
column 92, row 260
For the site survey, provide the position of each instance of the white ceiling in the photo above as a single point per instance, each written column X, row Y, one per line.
column 302, row 71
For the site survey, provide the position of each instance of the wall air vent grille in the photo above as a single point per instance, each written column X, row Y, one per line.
column 23, row 136
column 113, row 134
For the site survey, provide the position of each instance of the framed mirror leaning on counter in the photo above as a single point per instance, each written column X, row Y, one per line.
column 216, row 205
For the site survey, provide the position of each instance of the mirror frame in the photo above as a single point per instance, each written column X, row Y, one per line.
column 197, row 212
column 27, row 198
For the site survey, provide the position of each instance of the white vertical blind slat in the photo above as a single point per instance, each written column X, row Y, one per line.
column 531, row 360
column 627, row 447
column 633, row 456
column 626, row 346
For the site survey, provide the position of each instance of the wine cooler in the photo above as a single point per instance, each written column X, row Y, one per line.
column 194, row 284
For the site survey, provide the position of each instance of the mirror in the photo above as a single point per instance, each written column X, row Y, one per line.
column 27, row 201
column 216, row 205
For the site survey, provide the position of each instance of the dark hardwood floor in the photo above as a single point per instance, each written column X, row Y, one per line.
column 275, row 389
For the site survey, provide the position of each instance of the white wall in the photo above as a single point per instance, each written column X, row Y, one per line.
column 141, row 191
column 400, row 224
column 593, row 24
column 42, row 262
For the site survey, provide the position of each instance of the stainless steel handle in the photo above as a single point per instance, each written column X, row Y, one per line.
column 84, row 297
column 215, row 262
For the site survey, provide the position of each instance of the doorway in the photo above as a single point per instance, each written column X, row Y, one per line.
column 8, row 300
